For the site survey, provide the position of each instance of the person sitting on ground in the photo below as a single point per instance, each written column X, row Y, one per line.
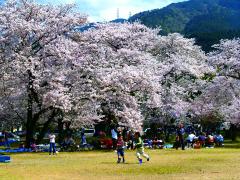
column 33, row 146
column 158, row 143
column 210, row 141
column 68, row 142
column 191, row 139
column 202, row 139
column 219, row 140
column 197, row 145
column 65, row 143
column 148, row 143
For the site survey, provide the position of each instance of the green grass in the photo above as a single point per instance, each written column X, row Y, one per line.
column 218, row 163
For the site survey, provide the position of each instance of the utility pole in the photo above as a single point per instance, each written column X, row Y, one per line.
column 130, row 14
column 117, row 13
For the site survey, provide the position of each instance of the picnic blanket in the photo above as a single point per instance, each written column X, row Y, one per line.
column 5, row 158
column 17, row 150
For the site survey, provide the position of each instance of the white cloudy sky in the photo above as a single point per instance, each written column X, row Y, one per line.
column 105, row 10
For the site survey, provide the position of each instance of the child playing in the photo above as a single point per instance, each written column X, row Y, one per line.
column 140, row 148
column 120, row 150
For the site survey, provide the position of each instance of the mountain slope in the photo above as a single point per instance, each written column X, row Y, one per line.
column 206, row 20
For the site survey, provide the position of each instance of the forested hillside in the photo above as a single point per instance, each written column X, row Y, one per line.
column 206, row 20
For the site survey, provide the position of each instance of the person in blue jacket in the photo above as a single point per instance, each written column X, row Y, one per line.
column 180, row 137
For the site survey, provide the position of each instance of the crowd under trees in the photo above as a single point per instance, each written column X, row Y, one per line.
column 52, row 73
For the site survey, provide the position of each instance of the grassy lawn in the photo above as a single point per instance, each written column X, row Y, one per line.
column 218, row 163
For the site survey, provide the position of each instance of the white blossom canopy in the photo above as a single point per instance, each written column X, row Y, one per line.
column 35, row 57
column 222, row 94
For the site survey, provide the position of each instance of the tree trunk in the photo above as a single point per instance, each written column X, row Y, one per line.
column 166, row 133
column 29, row 132
column 233, row 130
column 29, row 125
column 32, row 118
column 60, row 130
column 45, row 127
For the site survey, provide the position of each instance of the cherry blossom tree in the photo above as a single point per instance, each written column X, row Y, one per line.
column 137, row 71
column 118, row 74
column 35, row 56
column 222, row 93
column 113, row 71
column 184, row 65
column 226, row 57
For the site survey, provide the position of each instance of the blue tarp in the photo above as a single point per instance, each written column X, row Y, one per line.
column 5, row 158
column 15, row 150
column 9, row 142
column 168, row 146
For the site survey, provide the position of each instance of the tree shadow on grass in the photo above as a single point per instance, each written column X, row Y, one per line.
column 232, row 144
column 127, row 163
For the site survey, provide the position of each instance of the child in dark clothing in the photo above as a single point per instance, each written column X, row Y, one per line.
column 120, row 148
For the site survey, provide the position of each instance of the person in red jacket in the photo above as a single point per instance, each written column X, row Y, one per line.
column 120, row 149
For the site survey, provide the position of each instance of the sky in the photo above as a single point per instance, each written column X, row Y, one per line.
column 106, row 10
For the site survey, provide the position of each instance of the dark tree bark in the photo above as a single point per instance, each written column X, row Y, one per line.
column 33, row 118
column 29, row 125
column 60, row 130
column 46, row 126
column 233, row 130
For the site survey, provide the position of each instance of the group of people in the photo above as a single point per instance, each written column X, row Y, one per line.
column 136, row 142
column 68, row 143
column 204, row 140
column 193, row 141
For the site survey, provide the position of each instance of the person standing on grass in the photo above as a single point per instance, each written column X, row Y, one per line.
column 130, row 139
column 180, row 137
column 140, row 148
column 119, row 131
column 120, row 149
column 83, row 140
column 114, row 138
column 52, row 148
